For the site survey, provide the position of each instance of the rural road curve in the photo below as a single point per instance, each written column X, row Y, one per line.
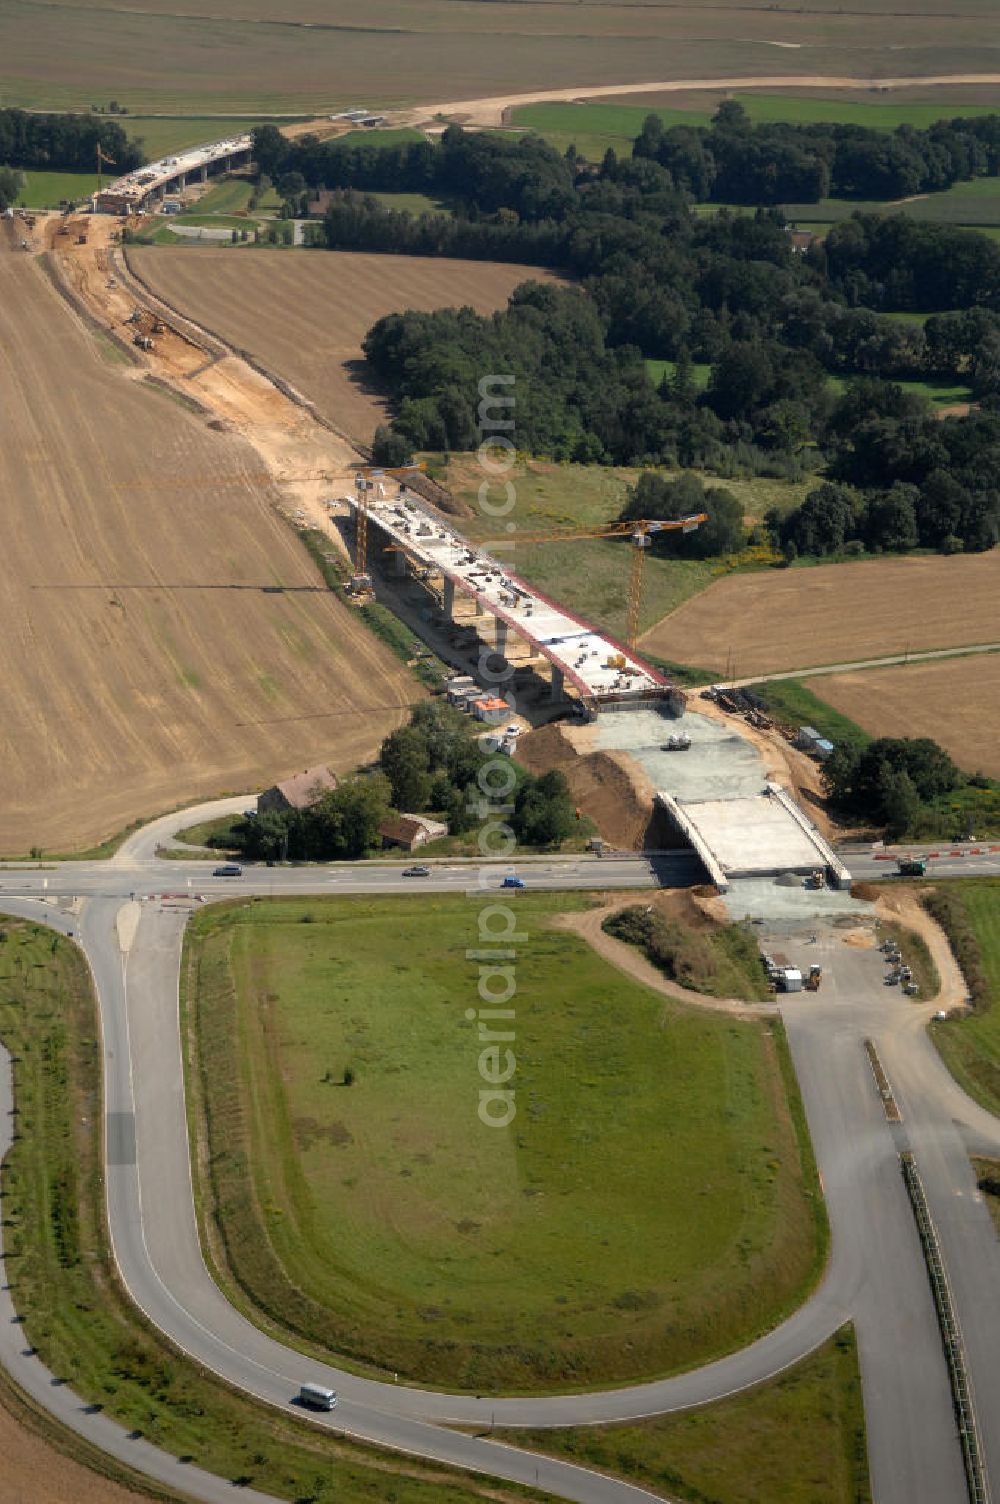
column 875, row 1273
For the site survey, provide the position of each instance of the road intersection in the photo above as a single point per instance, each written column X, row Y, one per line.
column 129, row 916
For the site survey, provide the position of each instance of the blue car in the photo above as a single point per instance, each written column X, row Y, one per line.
column 512, row 882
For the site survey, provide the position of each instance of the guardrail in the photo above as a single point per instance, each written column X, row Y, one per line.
column 889, row 1104
column 951, row 1336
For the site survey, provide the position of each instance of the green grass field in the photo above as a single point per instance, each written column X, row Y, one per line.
column 397, row 135
column 413, row 203
column 659, row 368
column 973, row 205
column 593, row 126
column 970, row 1046
column 799, row 1439
column 46, row 190
column 591, row 575
column 161, row 134
column 229, row 196
column 937, row 393
column 384, row 1221
column 72, row 1307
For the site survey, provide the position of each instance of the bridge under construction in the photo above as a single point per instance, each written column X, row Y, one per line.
column 142, row 187
column 585, row 665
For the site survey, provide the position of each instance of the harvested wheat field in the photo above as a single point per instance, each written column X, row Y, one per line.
column 303, row 316
column 163, row 634
column 34, row 1472
column 764, row 623
column 954, row 700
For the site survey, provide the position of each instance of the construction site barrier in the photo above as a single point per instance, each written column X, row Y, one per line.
column 951, row 1336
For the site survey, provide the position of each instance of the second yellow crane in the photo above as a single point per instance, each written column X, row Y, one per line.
column 641, row 531
column 107, row 162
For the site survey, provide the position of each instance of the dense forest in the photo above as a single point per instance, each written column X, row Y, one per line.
column 805, row 364
column 67, row 143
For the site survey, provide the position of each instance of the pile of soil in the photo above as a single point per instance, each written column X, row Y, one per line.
column 695, row 908
column 607, row 786
column 438, row 496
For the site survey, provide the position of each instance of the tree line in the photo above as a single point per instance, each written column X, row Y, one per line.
column 11, row 183
column 734, row 161
column 431, row 765
column 731, row 161
column 67, row 143
column 893, row 782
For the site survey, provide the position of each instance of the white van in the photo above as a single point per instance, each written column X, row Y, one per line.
column 317, row 1397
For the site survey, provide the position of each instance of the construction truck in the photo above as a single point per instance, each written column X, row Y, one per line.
column 816, row 879
column 814, row 978
column 360, row 589
column 911, row 866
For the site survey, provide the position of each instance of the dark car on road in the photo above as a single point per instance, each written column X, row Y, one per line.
column 416, row 871
column 228, row 869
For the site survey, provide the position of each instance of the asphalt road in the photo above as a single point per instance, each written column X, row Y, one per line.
column 875, row 1274
column 953, row 859
column 186, row 880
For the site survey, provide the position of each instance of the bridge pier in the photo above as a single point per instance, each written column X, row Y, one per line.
column 500, row 637
column 203, row 174
column 449, row 599
column 558, row 683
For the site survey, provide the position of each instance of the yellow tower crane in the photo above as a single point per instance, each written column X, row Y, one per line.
column 107, row 162
column 641, row 531
column 365, row 481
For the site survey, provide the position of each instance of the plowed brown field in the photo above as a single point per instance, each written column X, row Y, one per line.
column 304, row 315
column 145, row 655
column 836, row 613
column 953, row 700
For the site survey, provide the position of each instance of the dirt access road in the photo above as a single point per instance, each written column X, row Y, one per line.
column 309, row 461
column 492, row 110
